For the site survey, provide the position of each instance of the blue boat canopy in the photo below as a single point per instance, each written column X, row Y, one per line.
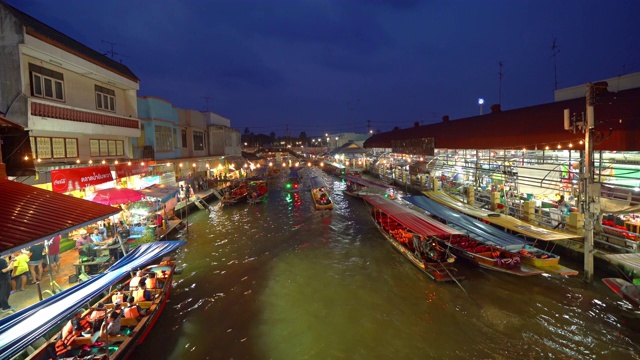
column 21, row 329
column 475, row 228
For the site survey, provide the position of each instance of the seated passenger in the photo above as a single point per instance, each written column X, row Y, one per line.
column 142, row 294
column 64, row 348
column 79, row 319
column 97, row 316
column 136, row 280
column 111, row 327
column 152, row 282
column 134, row 311
column 118, row 295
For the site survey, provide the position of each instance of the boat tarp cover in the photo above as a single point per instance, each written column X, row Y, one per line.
column 365, row 182
column 414, row 221
column 478, row 230
column 293, row 173
column 317, row 182
column 21, row 329
column 631, row 261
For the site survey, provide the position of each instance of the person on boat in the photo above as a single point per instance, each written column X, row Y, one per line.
column 79, row 319
column 118, row 295
column 111, row 327
column 142, row 293
column 136, row 280
column 64, row 346
column 133, row 310
column 97, row 316
column 152, row 281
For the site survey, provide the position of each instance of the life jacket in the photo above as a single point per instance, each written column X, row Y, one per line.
column 63, row 345
column 152, row 283
column 131, row 312
column 98, row 314
column 68, row 327
column 138, row 295
column 116, row 297
column 135, row 281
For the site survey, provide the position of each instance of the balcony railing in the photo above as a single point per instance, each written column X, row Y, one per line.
column 65, row 113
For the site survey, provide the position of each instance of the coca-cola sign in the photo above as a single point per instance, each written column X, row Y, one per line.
column 65, row 180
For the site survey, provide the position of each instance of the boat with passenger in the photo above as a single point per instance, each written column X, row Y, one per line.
column 257, row 191
column 319, row 194
column 294, row 181
column 236, row 195
column 42, row 338
column 415, row 236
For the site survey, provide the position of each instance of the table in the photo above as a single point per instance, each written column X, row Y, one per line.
column 97, row 262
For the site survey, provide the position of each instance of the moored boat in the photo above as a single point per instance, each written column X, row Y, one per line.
column 358, row 187
column 293, row 183
column 319, row 194
column 257, row 191
column 236, row 195
column 48, row 316
column 415, row 236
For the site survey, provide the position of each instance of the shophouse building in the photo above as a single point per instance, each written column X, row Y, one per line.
column 79, row 106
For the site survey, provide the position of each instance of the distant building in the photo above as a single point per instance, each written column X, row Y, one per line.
column 337, row 140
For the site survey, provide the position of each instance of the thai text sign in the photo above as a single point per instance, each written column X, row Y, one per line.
column 124, row 169
column 65, row 180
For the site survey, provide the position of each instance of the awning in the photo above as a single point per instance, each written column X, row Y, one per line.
column 31, row 214
column 476, row 228
column 160, row 191
column 238, row 161
column 65, row 180
column 416, row 222
column 24, row 327
column 131, row 168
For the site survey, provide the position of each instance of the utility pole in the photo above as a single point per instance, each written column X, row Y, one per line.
column 555, row 51
column 501, row 64
column 591, row 204
column 206, row 103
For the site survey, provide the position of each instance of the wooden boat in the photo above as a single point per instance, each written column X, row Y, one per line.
column 319, row 194
column 134, row 331
column 627, row 290
column 237, row 195
column 294, row 181
column 358, row 187
column 415, row 236
column 490, row 256
column 257, row 191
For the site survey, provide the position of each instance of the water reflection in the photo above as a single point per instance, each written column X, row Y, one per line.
column 279, row 280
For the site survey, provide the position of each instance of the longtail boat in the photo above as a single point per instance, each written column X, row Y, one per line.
column 482, row 230
column 319, row 194
column 258, row 190
column 46, row 317
column 415, row 236
column 236, row 195
column 627, row 290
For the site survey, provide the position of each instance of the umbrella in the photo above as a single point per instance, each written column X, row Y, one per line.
column 115, row 196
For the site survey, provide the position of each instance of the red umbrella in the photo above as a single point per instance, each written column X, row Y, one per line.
column 115, row 196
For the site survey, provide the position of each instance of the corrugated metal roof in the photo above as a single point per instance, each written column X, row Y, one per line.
column 49, row 34
column 617, row 116
column 30, row 214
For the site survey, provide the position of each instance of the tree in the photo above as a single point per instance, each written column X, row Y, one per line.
column 246, row 131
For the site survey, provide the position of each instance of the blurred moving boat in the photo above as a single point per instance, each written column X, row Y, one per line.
column 319, row 194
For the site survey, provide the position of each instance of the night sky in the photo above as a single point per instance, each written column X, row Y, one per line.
column 331, row 65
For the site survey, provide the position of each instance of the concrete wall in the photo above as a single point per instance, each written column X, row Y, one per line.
column 10, row 83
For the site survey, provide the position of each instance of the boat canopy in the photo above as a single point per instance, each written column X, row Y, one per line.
column 475, row 228
column 294, row 172
column 365, row 182
column 416, row 222
column 19, row 330
column 317, row 182
column 631, row 261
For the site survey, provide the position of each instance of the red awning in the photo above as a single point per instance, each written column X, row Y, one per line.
column 414, row 221
column 65, row 180
column 31, row 214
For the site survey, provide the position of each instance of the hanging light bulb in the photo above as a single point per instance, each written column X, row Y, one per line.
column 78, row 161
column 116, row 162
column 104, row 162
column 90, row 161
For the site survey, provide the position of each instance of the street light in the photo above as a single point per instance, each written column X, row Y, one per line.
column 480, row 102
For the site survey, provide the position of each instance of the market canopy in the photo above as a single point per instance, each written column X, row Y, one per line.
column 21, row 329
column 31, row 215
column 115, row 196
column 160, row 191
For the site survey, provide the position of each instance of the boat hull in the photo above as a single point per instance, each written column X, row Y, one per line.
column 626, row 290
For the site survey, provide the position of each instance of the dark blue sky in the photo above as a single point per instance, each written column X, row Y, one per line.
column 331, row 65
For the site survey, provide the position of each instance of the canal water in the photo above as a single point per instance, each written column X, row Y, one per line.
column 280, row 280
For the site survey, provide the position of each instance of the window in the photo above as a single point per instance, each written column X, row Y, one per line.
column 55, row 148
column 105, row 99
column 164, row 138
column 184, row 138
column 46, row 83
column 198, row 140
column 101, row 147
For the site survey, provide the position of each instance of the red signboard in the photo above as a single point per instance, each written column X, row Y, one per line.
column 65, row 180
column 130, row 169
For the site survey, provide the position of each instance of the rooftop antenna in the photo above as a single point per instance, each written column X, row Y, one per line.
column 501, row 64
column 206, row 103
column 111, row 53
column 555, row 50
